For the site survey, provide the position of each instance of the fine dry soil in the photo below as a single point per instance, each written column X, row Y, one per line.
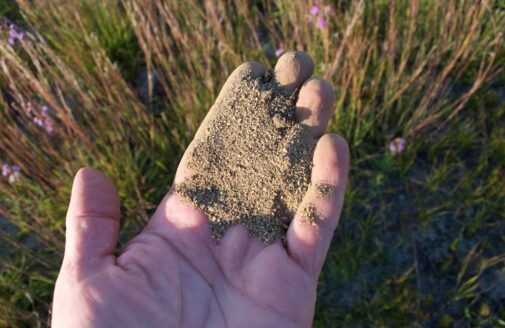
column 252, row 162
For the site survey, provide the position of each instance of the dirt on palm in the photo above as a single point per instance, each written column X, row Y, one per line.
column 252, row 162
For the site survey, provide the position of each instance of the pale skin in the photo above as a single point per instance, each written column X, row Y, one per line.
column 173, row 274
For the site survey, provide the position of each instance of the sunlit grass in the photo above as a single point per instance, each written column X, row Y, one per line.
column 127, row 83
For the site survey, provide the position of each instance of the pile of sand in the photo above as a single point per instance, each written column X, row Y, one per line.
column 252, row 162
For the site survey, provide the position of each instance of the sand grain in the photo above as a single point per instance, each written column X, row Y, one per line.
column 252, row 162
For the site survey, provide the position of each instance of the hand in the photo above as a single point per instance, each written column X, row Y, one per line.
column 172, row 274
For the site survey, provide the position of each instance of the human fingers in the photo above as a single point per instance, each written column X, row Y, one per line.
column 311, row 231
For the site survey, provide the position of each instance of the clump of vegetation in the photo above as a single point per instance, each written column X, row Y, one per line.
column 123, row 85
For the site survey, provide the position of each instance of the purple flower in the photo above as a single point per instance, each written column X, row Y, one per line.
column 14, row 177
column 45, row 123
column 279, row 52
column 6, row 170
column 14, row 34
column 321, row 22
column 45, row 110
column 397, row 146
column 317, row 14
column 314, row 10
column 11, row 172
column 45, row 120
column 48, row 125
column 38, row 121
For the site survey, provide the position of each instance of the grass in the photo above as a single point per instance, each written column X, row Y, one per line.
column 422, row 235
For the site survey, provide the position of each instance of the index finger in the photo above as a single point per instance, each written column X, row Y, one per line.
column 248, row 69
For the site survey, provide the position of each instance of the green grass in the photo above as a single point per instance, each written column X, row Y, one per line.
column 422, row 235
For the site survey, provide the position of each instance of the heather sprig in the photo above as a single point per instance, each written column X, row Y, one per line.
column 11, row 172
column 318, row 14
column 397, row 146
column 14, row 33
column 44, row 120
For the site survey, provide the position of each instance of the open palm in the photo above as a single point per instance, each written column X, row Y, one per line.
column 173, row 274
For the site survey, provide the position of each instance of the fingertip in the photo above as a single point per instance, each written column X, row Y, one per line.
column 93, row 194
column 315, row 105
column 331, row 160
column 250, row 69
column 87, row 175
column 293, row 69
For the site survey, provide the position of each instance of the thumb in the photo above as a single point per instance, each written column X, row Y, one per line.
column 92, row 224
